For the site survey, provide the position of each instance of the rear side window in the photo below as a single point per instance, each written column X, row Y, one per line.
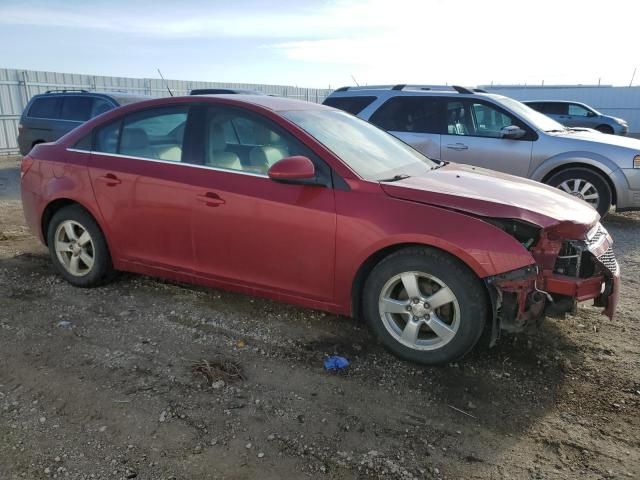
column 410, row 114
column 155, row 134
column 556, row 108
column 45, row 107
column 77, row 109
column 536, row 106
column 353, row 105
column 100, row 105
column 107, row 138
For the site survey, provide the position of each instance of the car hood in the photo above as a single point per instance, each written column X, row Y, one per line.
column 492, row 194
column 596, row 139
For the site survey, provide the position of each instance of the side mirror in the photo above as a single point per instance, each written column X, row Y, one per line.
column 296, row 169
column 591, row 114
column 512, row 132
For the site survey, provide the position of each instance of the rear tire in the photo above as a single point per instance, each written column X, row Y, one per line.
column 78, row 248
column 425, row 306
column 585, row 184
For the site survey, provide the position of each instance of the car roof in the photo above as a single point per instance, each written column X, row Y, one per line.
column 266, row 101
column 122, row 98
column 552, row 101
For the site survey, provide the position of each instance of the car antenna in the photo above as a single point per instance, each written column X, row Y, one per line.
column 355, row 81
column 165, row 83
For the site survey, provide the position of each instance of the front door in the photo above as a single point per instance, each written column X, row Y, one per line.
column 473, row 137
column 251, row 230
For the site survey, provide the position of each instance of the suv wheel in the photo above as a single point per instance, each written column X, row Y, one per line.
column 605, row 129
column 78, row 247
column 586, row 185
column 425, row 306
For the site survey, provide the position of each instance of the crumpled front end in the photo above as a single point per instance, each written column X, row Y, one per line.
column 566, row 272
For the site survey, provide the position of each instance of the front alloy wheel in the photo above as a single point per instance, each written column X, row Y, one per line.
column 419, row 310
column 425, row 305
column 585, row 184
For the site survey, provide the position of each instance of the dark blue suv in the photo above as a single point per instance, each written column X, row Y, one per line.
column 48, row 116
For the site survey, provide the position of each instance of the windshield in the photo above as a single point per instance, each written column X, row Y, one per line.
column 372, row 153
column 536, row 119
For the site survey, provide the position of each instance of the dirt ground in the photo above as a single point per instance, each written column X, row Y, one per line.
column 98, row 384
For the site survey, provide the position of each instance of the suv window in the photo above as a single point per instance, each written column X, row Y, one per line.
column 478, row 119
column 45, row 107
column 555, row 108
column 76, row 108
column 100, row 105
column 353, row 105
column 419, row 114
column 578, row 110
column 155, row 134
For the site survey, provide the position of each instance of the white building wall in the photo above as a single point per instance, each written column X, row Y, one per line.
column 622, row 102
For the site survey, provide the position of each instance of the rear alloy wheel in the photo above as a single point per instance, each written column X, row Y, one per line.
column 586, row 185
column 425, row 306
column 78, row 247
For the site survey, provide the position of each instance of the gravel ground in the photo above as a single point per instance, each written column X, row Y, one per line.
column 100, row 384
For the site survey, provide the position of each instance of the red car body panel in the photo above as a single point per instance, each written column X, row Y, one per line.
column 296, row 243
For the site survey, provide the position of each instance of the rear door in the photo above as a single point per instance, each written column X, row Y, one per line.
column 473, row 137
column 416, row 120
column 141, row 187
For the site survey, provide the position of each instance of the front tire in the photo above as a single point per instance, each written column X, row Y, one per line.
column 425, row 306
column 78, row 248
column 586, row 185
column 605, row 129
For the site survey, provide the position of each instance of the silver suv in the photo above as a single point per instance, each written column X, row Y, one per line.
column 457, row 124
column 575, row 114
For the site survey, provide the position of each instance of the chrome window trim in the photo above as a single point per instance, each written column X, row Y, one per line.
column 117, row 155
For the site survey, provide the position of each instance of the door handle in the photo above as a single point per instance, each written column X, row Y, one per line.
column 457, row 146
column 110, row 180
column 211, row 199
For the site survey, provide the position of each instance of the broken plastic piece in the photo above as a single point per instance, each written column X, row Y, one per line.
column 335, row 363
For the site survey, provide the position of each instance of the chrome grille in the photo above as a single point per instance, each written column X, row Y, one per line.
column 608, row 258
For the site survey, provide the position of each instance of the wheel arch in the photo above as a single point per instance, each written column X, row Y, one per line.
column 585, row 166
column 58, row 204
column 376, row 257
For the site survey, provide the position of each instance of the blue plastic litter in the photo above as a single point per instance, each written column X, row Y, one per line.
column 335, row 363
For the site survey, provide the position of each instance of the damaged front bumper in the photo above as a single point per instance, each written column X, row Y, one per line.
column 565, row 272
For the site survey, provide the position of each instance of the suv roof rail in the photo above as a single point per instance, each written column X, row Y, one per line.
column 402, row 86
column 65, row 90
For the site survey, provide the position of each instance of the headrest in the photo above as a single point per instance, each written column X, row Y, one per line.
column 134, row 138
column 217, row 142
column 266, row 136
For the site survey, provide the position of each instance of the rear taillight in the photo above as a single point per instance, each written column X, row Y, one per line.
column 27, row 161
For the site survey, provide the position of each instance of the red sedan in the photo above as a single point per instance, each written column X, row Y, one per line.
column 306, row 204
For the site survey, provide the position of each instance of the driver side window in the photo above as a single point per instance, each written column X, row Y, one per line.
column 578, row 111
column 477, row 119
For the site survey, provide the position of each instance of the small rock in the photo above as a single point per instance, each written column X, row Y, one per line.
column 47, row 471
column 271, row 436
column 260, row 455
column 163, row 416
column 58, row 459
column 42, row 419
column 218, row 385
column 103, row 428
column 248, row 445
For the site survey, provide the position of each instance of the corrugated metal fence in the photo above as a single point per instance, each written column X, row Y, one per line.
column 622, row 102
column 18, row 86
